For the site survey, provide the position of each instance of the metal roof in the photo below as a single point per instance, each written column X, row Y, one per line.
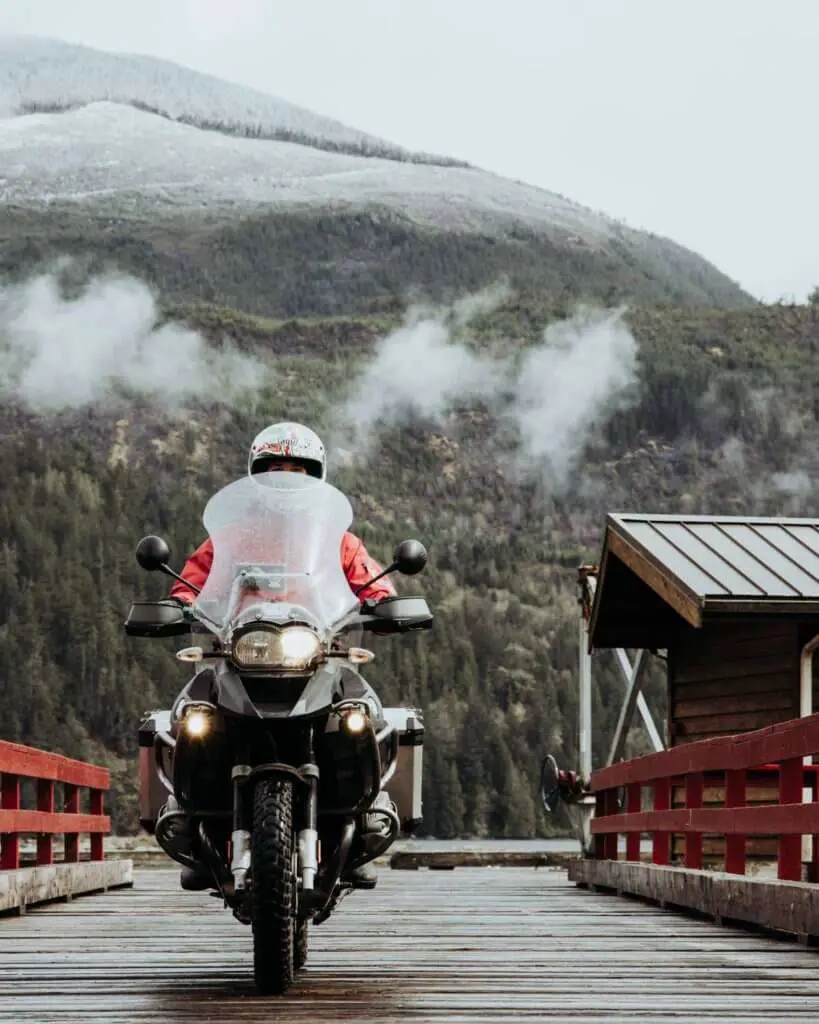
column 719, row 563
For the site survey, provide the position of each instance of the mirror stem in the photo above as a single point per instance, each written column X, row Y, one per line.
column 381, row 575
column 169, row 572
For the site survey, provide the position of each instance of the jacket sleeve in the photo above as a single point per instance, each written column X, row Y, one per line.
column 196, row 571
column 359, row 567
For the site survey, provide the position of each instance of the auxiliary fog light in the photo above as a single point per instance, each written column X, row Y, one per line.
column 355, row 721
column 196, row 724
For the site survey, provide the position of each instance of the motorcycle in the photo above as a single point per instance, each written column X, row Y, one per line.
column 261, row 773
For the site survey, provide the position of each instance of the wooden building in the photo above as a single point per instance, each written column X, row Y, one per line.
column 733, row 601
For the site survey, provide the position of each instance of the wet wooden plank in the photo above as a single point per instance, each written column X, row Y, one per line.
column 502, row 945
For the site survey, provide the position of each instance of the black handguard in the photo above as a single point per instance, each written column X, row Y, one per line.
column 184, row 605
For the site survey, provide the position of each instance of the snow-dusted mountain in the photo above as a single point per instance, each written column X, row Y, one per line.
column 111, row 153
column 40, row 74
column 124, row 134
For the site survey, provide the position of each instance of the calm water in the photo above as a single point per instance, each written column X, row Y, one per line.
column 488, row 845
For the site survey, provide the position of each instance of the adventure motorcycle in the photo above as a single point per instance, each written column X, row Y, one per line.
column 261, row 773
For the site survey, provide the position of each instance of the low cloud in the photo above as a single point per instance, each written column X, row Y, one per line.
column 550, row 395
column 795, row 483
column 569, row 383
column 59, row 352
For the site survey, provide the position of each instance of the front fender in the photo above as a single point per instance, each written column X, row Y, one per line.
column 229, row 693
column 320, row 693
column 269, row 697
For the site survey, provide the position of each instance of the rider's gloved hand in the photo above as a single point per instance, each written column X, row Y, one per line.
column 181, row 603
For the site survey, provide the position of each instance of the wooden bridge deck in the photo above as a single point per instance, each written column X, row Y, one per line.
column 477, row 944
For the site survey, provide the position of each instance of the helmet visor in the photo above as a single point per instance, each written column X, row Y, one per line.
column 265, row 462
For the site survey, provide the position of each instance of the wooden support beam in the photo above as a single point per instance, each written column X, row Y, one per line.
column 71, row 804
column 45, row 805
column 10, row 803
column 633, row 683
column 29, row 886
column 96, row 807
column 736, row 782
column 634, row 803
column 761, row 820
column 30, row 763
column 770, row 903
column 794, row 738
column 693, row 801
column 790, row 845
column 35, row 822
column 661, row 840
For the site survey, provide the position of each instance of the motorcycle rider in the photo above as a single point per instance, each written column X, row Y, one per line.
column 294, row 448
column 291, row 447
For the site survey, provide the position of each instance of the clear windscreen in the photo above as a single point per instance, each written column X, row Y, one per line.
column 277, row 553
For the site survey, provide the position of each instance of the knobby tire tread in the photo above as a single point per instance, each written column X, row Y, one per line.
column 302, row 939
column 273, row 885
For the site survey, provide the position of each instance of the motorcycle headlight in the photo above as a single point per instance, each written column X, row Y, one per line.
column 292, row 647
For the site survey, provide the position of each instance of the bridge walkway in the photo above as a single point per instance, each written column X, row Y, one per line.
column 470, row 945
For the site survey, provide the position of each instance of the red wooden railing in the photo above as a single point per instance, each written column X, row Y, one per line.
column 18, row 763
column 780, row 749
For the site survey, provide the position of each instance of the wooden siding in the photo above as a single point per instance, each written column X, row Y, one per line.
column 807, row 631
column 732, row 676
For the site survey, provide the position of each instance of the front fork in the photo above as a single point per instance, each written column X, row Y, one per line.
column 240, row 836
column 308, row 836
column 307, row 840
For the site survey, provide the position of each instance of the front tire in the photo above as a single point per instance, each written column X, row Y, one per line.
column 274, row 885
column 302, row 939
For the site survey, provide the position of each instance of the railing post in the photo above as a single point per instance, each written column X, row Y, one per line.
column 71, row 803
column 45, row 803
column 790, row 846
column 694, row 784
column 96, row 807
column 600, row 805
column 735, row 780
column 634, row 799
column 813, row 871
column 610, row 851
column 661, row 841
column 10, row 843
column 605, row 843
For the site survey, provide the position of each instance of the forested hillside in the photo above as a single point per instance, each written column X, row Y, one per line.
column 342, row 261
column 722, row 416
column 184, row 261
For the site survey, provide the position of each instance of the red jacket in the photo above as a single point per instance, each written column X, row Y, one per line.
column 357, row 564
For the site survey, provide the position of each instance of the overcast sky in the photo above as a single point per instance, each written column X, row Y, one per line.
column 694, row 119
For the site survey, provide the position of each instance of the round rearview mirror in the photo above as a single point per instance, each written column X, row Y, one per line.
column 410, row 557
column 152, row 553
column 550, row 784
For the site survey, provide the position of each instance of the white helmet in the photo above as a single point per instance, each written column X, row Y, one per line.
column 290, row 441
